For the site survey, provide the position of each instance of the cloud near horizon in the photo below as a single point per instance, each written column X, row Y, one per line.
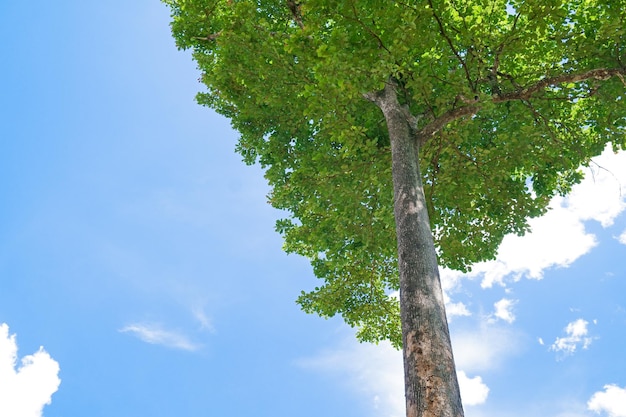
column 155, row 334
column 25, row 390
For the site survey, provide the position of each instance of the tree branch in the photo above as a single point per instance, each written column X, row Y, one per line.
column 383, row 97
column 370, row 31
column 449, row 41
column 440, row 122
column 296, row 13
column 208, row 38
column 602, row 74
column 472, row 108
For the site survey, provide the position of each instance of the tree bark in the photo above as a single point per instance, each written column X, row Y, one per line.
column 431, row 385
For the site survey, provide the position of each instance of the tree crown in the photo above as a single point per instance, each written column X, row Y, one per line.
column 507, row 99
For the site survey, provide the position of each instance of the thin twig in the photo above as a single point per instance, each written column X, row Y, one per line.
column 449, row 41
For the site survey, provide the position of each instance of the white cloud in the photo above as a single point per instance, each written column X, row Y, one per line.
column 612, row 401
column 556, row 240
column 456, row 309
column 157, row 335
column 601, row 196
column 559, row 238
column 26, row 390
column 374, row 371
column 473, row 390
column 485, row 348
column 450, row 281
column 504, row 310
column 576, row 337
column 622, row 238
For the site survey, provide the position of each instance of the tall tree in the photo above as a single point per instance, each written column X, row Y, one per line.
column 400, row 135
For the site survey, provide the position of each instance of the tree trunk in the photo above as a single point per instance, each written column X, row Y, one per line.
column 431, row 385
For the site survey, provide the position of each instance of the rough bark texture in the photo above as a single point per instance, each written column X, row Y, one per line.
column 431, row 385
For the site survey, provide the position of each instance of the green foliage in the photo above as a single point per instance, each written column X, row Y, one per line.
column 292, row 78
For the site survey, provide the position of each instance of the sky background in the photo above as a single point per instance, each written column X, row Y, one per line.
column 140, row 274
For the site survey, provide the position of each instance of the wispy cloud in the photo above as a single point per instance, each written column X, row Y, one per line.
column 376, row 371
column 157, row 335
column 485, row 348
column 622, row 238
column 576, row 336
column 611, row 401
column 26, row 390
column 204, row 320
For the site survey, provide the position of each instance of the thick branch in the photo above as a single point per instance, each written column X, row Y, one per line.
column 471, row 109
column 296, row 13
column 448, row 117
column 523, row 94
column 602, row 74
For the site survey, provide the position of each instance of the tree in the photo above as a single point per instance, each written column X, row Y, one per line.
column 464, row 116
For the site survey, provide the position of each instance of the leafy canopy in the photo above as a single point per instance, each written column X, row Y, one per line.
column 542, row 82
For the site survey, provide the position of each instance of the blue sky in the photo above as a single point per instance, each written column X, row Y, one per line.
column 140, row 273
